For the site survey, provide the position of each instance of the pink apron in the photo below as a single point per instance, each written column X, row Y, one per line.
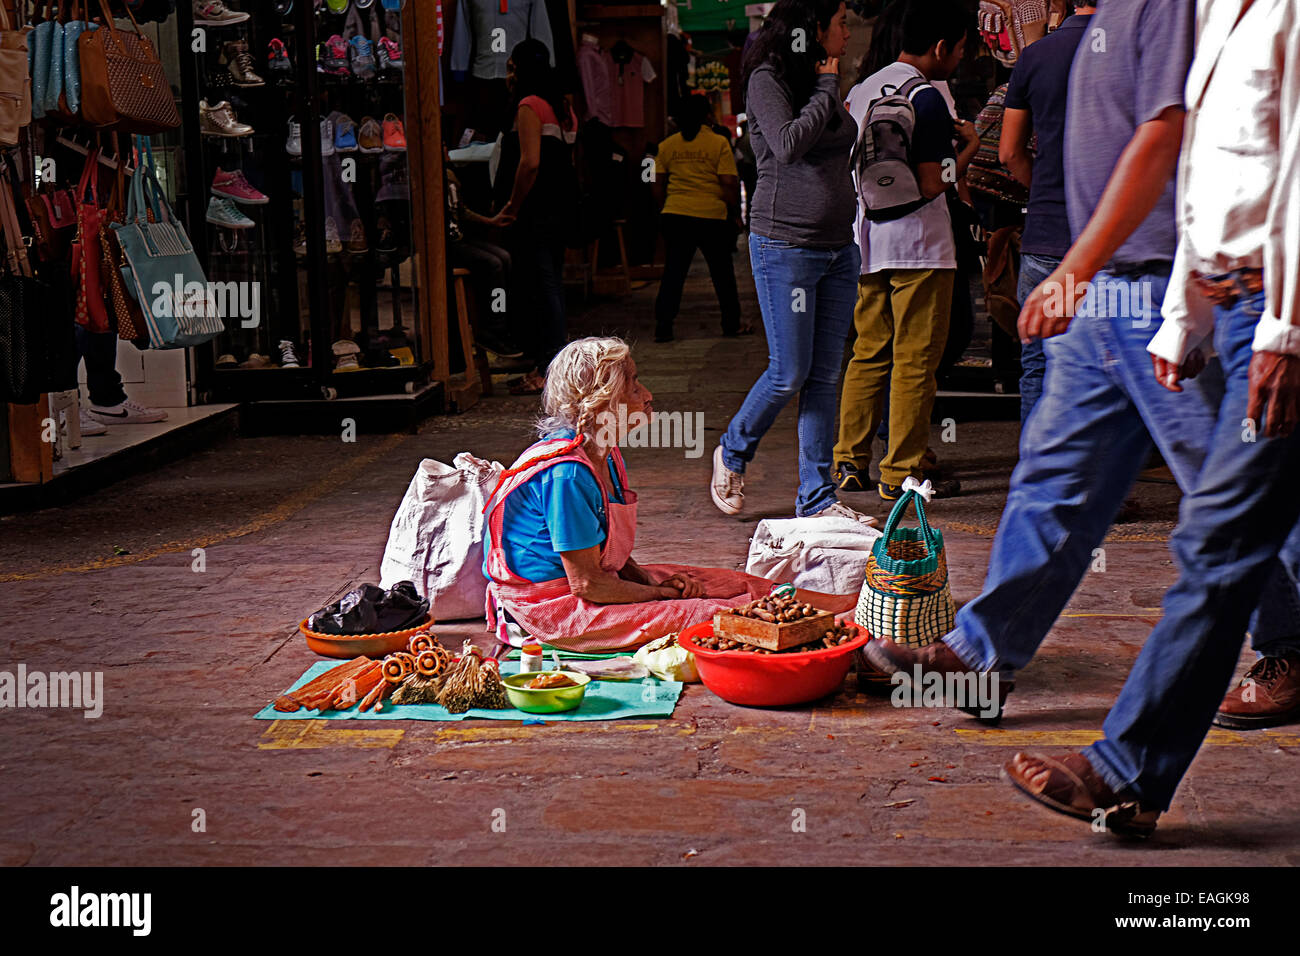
column 549, row 611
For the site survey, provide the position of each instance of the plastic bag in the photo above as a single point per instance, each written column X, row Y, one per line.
column 668, row 660
column 819, row 554
column 371, row 610
column 436, row 539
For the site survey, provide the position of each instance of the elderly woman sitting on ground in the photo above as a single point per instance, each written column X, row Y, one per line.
column 562, row 523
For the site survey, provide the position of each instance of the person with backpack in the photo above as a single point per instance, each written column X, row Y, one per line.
column 537, row 192
column 904, row 162
column 800, row 244
column 696, row 183
column 1035, row 104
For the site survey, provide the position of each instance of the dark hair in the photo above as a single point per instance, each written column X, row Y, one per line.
column 534, row 76
column 886, row 40
column 775, row 45
column 926, row 22
column 693, row 113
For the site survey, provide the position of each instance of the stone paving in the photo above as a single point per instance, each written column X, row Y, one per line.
column 287, row 524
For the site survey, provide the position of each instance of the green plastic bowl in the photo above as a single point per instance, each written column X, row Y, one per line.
column 549, row 700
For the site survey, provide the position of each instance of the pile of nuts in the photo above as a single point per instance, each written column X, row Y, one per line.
column 775, row 610
column 839, row 634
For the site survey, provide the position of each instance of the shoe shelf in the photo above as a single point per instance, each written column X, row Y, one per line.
column 300, row 143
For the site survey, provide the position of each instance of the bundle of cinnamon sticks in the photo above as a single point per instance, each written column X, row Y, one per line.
column 340, row 688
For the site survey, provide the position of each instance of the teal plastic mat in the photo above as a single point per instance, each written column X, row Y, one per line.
column 605, row 700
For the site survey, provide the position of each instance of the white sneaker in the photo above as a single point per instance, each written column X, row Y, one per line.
column 840, row 510
column 727, row 486
column 127, row 413
column 91, row 426
column 288, row 357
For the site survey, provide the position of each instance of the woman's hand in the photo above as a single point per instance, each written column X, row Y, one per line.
column 502, row 219
column 685, row 586
column 829, row 65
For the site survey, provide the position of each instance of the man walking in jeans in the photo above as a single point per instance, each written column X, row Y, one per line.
column 1088, row 437
column 1035, row 104
column 1236, row 276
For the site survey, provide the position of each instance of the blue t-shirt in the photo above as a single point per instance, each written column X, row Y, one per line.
column 1130, row 66
column 561, row 509
column 1038, row 86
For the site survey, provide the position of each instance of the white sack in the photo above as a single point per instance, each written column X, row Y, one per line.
column 820, row 554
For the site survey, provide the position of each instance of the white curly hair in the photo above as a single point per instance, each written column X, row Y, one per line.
column 583, row 379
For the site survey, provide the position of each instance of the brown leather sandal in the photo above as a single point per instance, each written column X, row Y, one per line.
column 1071, row 787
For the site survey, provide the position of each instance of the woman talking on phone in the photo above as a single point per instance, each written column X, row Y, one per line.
column 801, row 246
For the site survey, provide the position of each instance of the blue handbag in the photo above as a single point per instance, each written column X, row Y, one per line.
column 75, row 26
column 162, row 272
column 40, row 46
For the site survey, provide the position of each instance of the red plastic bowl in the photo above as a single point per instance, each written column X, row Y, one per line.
column 770, row 680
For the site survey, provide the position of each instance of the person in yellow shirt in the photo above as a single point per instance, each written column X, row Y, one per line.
column 697, row 184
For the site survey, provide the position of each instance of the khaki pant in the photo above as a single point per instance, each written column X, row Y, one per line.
column 902, row 324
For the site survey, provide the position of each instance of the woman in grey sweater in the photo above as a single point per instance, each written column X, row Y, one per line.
column 801, row 246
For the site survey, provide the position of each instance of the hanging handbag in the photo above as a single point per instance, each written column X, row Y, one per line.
column 124, row 311
column 39, row 49
column 15, row 80
column 38, row 347
column 54, row 218
column 122, row 81
column 91, row 311
column 905, row 596
column 53, row 88
column 76, row 25
column 162, row 271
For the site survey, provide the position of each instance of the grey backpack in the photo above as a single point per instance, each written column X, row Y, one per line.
column 882, row 156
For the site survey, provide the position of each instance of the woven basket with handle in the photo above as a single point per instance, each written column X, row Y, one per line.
column 905, row 595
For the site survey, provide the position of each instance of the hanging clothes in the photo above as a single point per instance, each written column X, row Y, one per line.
column 476, row 20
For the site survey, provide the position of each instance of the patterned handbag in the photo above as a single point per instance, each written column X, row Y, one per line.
column 91, row 312
column 124, row 311
column 122, row 81
column 905, row 596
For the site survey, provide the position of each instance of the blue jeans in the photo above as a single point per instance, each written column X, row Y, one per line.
column 1234, row 525
column 103, row 383
column 807, row 298
column 1033, row 362
column 1080, row 453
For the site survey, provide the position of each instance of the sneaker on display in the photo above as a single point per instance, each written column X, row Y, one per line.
column 233, row 185
column 288, row 357
column 390, row 55
column 90, row 426
column 362, row 57
column 214, row 13
column 394, row 134
column 327, row 137
column 283, row 7
column 240, row 63
column 357, row 244
column 256, row 360
column 220, row 120
column 371, row 135
column 345, row 355
column 293, row 145
column 277, row 57
column 300, row 240
column 335, row 58
column 333, row 245
column 345, row 133
column 385, row 239
column 337, row 6
column 223, row 212
column 127, row 413
column 226, row 360
column 392, row 5
column 364, row 4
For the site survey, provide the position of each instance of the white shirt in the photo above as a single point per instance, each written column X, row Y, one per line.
column 921, row 239
column 1239, row 173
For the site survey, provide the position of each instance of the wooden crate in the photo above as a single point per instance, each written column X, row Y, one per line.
column 774, row 637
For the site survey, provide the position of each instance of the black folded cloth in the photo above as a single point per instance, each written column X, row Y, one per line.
column 370, row 609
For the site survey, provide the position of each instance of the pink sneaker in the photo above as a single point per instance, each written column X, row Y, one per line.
column 233, row 185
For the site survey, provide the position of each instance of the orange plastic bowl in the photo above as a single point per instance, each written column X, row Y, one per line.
column 348, row 646
column 770, row 680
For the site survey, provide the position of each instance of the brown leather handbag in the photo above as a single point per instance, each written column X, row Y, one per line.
column 15, row 81
column 122, row 81
column 124, row 311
